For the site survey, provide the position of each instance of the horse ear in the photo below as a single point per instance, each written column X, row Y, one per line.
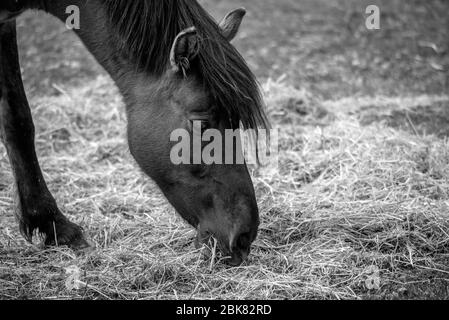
column 185, row 48
column 231, row 23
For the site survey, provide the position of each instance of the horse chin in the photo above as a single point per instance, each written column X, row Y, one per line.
column 206, row 239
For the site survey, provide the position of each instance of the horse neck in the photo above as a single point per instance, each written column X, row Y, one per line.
column 100, row 40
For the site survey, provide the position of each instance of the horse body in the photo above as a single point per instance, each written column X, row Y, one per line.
column 172, row 64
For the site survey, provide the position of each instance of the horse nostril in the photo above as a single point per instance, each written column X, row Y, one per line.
column 241, row 242
column 238, row 257
column 235, row 260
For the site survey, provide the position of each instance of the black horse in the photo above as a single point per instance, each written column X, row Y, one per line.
column 173, row 65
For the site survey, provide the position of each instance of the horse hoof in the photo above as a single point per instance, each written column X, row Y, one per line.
column 82, row 245
column 68, row 234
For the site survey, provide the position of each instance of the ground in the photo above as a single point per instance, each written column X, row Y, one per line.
column 357, row 210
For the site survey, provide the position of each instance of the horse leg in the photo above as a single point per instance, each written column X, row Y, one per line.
column 35, row 206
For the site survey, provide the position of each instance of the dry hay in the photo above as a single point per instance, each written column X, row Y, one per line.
column 346, row 198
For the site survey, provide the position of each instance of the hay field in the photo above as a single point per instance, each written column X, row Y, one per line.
column 359, row 208
column 347, row 197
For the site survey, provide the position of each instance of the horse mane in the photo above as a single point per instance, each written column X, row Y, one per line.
column 147, row 29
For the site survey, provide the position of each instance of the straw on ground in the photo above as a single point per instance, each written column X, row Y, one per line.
column 353, row 194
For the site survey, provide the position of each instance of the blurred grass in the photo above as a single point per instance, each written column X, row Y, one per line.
column 320, row 45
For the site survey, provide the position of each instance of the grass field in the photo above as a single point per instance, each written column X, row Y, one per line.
column 359, row 208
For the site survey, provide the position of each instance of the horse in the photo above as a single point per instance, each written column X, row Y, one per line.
column 173, row 64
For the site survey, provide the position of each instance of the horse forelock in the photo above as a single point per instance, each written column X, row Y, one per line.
column 147, row 29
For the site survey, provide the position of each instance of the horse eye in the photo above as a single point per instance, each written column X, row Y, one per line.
column 205, row 124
